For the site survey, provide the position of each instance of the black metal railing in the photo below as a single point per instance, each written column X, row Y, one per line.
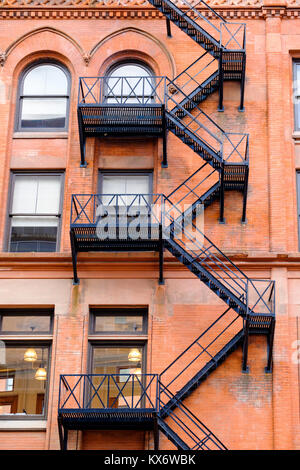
column 90, row 209
column 195, row 188
column 108, row 392
column 195, row 76
column 226, row 146
column 111, row 90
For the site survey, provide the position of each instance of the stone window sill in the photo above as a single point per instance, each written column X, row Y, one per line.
column 296, row 135
column 23, row 425
column 40, row 135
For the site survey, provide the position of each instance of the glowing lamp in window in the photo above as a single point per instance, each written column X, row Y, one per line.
column 41, row 374
column 30, row 355
column 134, row 355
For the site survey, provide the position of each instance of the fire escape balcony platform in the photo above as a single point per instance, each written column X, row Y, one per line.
column 120, row 106
column 86, row 239
column 107, row 401
column 117, row 119
column 95, row 419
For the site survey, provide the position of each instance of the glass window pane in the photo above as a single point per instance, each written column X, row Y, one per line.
column 45, row 80
column 125, row 184
column 130, row 70
column 48, row 200
column 38, row 194
column 24, row 381
column 25, row 323
column 298, row 79
column 116, row 360
column 43, row 112
column 28, row 238
column 25, row 194
column 118, row 324
column 135, row 85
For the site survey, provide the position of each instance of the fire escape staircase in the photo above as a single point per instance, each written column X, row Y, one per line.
column 250, row 303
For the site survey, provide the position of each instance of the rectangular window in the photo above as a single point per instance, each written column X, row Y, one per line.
column 24, row 364
column 24, row 322
column 35, row 211
column 116, row 362
column 298, row 205
column 296, row 93
column 118, row 321
column 127, row 185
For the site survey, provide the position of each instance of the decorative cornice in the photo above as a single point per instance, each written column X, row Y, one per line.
column 137, row 9
column 115, row 3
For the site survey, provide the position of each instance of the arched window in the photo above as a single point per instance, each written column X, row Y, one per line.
column 44, row 98
column 129, row 82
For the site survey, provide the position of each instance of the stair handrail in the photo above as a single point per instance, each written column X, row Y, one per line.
column 189, row 7
column 193, row 189
column 209, row 435
column 196, row 341
column 192, row 78
column 221, row 265
column 169, row 96
column 193, row 8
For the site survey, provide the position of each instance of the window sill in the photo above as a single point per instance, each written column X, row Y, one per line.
column 23, row 425
column 40, row 135
column 296, row 135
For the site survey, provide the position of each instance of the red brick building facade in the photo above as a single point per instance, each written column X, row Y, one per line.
column 252, row 410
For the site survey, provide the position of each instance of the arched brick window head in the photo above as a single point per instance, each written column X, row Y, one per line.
column 129, row 83
column 44, row 98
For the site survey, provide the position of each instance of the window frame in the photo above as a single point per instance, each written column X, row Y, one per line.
column 298, row 205
column 12, row 182
column 20, row 97
column 148, row 173
column 96, row 343
column 31, row 342
column 115, row 311
column 296, row 64
column 16, row 312
column 129, row 62
column 122, row 339
column 29, row 339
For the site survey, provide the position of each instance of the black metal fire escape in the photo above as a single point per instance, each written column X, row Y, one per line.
column 99, row 223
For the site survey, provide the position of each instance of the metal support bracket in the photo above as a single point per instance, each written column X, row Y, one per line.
column 156, row 434
column 245, row 191
column 221, row 82
column 222, row 196
column 63, row 434
column 83, row 163
column 164, row 162
column 270, row 340
column 161, row 280
column 241, row 107
column 245, row 367
column 74, row 258
column 168, row 24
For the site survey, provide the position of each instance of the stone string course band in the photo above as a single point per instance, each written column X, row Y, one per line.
column 125, row 3
column 132, row 4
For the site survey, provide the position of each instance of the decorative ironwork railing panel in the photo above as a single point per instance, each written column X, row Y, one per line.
column 108, row 392
column 111, row 90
